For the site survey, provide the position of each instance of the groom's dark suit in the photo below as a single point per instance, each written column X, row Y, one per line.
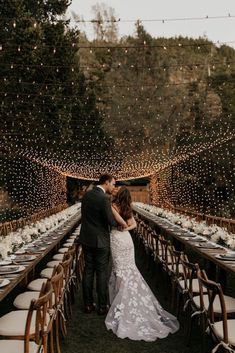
column 97, row 219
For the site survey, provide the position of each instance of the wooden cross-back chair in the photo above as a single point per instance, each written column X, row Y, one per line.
column 28, row 330
column 222, row 331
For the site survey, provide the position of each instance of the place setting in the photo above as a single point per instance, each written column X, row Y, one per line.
column 11, row 269
column 35, row 249
column 228, row 256
column 186, row 236
column 47, row 241
column 23, row 258
column 208, row 245
column 5, row 262
column 195, row 239
column 4, row 282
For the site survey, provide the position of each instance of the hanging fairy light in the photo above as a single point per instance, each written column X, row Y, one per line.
column 143, row 144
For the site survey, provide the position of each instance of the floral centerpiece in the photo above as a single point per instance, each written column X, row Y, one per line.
column 15, row 240
column 214, row 233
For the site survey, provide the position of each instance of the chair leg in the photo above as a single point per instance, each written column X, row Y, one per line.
column 203, row 331
column 63, row 328
column 67, row 304
column 70, row 298
column 45, row 343
column 185, row 314
column 57, row 333
column 51, row 341
column 178, row 296
column 72, row 291
column 173, row 293
column 61, row 320
column 189, row 330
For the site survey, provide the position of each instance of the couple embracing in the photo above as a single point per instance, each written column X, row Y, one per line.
column 134, row 312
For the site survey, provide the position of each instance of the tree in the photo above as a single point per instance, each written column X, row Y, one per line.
column 105, row 23
column 48, row 111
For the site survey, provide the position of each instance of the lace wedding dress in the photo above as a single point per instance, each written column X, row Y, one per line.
column 135, row 312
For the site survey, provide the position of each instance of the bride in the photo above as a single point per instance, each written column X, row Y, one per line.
column 134, row 312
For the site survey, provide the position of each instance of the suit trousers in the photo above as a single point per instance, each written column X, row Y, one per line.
column 96, row 262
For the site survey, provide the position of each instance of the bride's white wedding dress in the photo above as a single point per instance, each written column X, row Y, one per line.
column 135, row 312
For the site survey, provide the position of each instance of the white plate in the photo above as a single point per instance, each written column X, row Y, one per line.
column 218, row 256
column 36, row 247
column 25, row 258
column 4, row 282
column 19, row 252
column 16, row 270
column 5, row 262
column 205, row 245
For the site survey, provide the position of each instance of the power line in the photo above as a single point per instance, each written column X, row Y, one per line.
column 35, row 22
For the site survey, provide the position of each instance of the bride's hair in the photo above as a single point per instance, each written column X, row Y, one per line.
column 123, row 201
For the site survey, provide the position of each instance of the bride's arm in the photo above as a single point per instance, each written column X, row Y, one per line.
column 131, row 223
column 118, row 218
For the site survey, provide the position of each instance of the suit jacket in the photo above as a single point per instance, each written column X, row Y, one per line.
column 96, row 219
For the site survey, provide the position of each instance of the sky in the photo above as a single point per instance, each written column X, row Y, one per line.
column 222, row 30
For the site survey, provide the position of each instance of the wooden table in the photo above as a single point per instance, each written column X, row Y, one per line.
column 66, row 228
column 218, row 268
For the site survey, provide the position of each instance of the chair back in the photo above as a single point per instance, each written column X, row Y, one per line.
column 164, row 244
column 148, row 236
column 176, row 260
column 44, row 321
column 57, row 283
column 67, row 266
column 80, row 263
column 189, row 273
column 213, row 290
column 140, row 228
column 155, row 244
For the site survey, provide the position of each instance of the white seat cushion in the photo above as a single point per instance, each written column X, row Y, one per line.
column 23, row 300
column 229, row 303
column 58, row 257
column 195, row 285
column 13, row 323
column 70, row 241
column 67, row 245
column 73, row 237
column 17, row 346
column 36, row 284
column 62, row 250
column 218, row 329
column 52, row 264
column 47, row 272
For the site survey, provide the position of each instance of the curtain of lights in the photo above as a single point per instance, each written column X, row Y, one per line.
column 27, row 188
column 204, row 183
column 136, row 106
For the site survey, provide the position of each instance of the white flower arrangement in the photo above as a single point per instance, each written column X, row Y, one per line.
column 213, row 232
column 14, row 240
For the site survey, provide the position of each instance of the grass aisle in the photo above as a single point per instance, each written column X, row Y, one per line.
column 87, row 332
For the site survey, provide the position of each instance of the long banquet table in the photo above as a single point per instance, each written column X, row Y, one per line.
column 218, row 268
column 57, row 236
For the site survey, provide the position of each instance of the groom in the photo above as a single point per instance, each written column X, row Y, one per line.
column 96, row 222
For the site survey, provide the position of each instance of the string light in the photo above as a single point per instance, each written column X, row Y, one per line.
column 151, row 116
